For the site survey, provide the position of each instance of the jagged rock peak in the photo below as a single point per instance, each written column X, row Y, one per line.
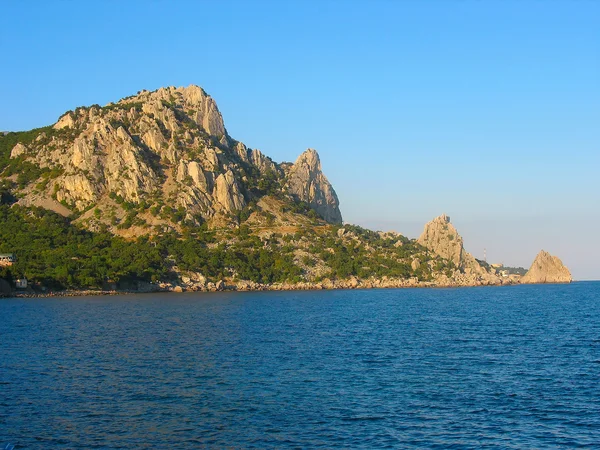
column 443, row 239
column 263, row 163
column 192, row 100
column 307, row 183
column 547, row 269
column 166, row 151
column 145, row 146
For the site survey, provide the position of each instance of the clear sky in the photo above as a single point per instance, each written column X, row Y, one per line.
column 488, row 111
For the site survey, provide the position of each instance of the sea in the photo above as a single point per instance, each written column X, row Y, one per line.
column 482, row 367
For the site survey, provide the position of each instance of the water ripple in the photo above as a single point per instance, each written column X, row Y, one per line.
column 506, row 367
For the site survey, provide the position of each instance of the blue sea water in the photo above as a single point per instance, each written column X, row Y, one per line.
column 505, row 367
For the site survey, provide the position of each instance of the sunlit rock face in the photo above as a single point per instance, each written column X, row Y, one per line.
column 547, row 269
column 442, row 238
column 167, row 150
column 307, row 182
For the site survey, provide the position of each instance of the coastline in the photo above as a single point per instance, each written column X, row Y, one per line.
column 249, row 286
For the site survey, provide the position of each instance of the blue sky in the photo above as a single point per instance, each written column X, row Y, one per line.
column 488, row 111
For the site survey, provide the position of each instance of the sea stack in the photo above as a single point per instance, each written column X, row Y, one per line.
column 547, row 269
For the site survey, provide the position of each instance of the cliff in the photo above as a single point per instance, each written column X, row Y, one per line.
column 307, row 183
column 547, row 269
column 197, row 209
column 164, row 155
column 442, row 238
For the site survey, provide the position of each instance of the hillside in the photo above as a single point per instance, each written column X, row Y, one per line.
column 151, row 192
column 153, row 162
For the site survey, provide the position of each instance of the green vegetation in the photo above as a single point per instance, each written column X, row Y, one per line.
column 123, row 106
column 248, row 259
column 54, row 252
column 6, row 192
column 512, row 270
column 290, row 242
column 9, row 140
column 26, row 171
column 366, row 254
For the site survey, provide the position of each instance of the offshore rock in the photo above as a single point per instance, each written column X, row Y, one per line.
column 547, row 269
column 307, row 183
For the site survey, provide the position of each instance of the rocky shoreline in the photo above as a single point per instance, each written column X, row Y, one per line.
column 545, row 269
column 250, row 286
column 227, row 211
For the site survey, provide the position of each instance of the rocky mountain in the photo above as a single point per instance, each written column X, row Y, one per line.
column 442, row 238
column 547, row 269
column 154, row 160
column 151, row 192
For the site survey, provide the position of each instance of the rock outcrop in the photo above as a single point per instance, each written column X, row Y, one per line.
column 18, row 150
column 166, row 151
column 162, row 162
column 227, row 193
column 547, row 269
column 307, row 183
column 262, row 162
column 442, row 238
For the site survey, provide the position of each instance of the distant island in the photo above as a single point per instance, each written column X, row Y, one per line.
column 151, row 193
